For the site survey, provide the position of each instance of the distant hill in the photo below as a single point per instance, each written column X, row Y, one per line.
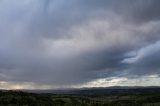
column 98, row 90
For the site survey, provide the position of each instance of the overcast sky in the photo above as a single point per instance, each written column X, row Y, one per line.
column 79, row 43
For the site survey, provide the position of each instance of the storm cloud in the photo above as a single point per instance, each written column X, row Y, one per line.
column 61, row 43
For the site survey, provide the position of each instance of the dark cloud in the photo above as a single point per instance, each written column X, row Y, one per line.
column 146, row 62
column 64, row 43
column 138, row 11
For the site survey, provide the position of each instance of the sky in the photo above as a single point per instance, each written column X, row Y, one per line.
column 47, row 44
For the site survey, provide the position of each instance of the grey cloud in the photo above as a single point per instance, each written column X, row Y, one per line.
column 146, row 62
column 73, row 42
column 139, row 11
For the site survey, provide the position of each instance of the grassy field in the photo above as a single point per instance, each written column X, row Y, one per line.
column 135, row 97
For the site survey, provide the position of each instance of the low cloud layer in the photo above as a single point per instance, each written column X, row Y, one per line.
column 61, row 43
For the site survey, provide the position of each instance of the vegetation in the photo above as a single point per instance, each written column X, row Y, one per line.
column 134, row 97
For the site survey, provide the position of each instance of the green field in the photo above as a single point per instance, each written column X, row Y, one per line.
column 110, row 98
